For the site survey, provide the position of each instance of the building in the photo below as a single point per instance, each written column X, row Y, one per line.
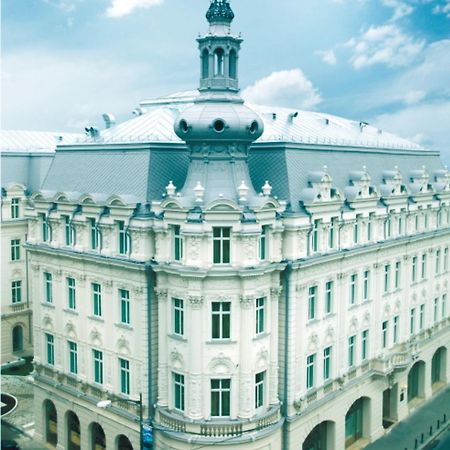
column 263, row 277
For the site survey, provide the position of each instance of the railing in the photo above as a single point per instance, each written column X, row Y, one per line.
column 18, row 307
column 220, row 430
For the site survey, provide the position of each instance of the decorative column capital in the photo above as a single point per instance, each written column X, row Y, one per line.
column 246, row 301
column 196, row 301
column 161, row 294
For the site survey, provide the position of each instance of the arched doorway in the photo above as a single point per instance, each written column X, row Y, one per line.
column 17, row 338
column 416, row 381
column 97, row 437
column 123, row 443
column 73, row 432
column 438, row 366
column 51, row 423
column 357, row 421
column 321, row 437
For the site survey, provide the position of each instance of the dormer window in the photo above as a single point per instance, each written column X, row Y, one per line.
column 94, row 235
column 123, row 238
column 221, row 250
column 15, row 211
column 177, row 243
column 219, row 58
column 45, row 228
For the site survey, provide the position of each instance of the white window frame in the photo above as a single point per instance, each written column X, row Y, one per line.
column 16, row 291
column 124, row 306
column 260, row 315
column 71, row 293
column 178, row 316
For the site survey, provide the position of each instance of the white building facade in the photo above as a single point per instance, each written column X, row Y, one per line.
column 258, row 291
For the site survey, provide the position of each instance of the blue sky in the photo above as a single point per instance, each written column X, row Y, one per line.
column 387, row 62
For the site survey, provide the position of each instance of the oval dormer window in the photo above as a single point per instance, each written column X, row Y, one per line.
column 219, row 126
column 184, row 127
column 253, row 128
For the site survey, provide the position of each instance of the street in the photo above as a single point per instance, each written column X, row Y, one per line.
column 24, row 442
column 442, row 443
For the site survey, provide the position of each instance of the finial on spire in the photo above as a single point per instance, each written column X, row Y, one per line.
column 220, row 11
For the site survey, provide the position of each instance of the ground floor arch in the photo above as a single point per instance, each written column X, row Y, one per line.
column 98, row 438
column 17, row 338
column 321, row 437
column 357, row 421
column 73, row 431
column 51, row 423
column 439, row 366
column 416, row 381
column 123, row 443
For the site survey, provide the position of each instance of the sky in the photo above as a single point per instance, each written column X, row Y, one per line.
column 386, row 62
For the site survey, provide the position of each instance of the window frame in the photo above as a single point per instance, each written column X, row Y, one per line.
column 178, row 243
column 50, row 348
column 260, row 379
column 124, row 376
column 179, row 391
column 178, row 316
column 329, row 291
column 98, row 367
column 312, row 303
column 16, row 292
column 327, row 355
column 310, row 371
column 71, row 293
column 221, row 245
column 15, row 249
column 96, row 289
column 73, row 357
column 222, row 392
column 124, row 306
column 48, row 287
column 260, row 315
column 222, row 318
column 15, row 208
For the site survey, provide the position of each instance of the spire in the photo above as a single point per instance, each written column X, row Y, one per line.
column 220, row 12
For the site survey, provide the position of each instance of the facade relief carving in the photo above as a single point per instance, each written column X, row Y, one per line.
column 195, row 301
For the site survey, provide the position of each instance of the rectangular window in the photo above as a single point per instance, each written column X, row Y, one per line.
column 220, row 397
column 328, row 297
column 259, row 389
column 384, row 334
column 310, row 369
column 315, row 236
column 397, row 278
column 356, row 229
column 351, row 351
column 332, row 233
column 48, row 287
column 395, row 329
column 414, row 269
column 421, row 317
column 365, row 345
column 178, row 391
column 416, row 222
column 71, row 293
column 98, row 366
column 435, row 310
column 69, row 231
column 400, row 224
column 412, row 321
column 438, row 261
column 15, row 249
column 221, row 315
column 353, row 288
column 444, row 306
column 124, row 365
column 327, row 363
column 44, row 227
column 260, row 311
column 366, row 285
column 97, row 299
column 73, row 357
column 388, row 226
column 94, row 234
column 123, row 237
column 177, row 243
column 387, row 278
column 369, row 226
column 221, row 245
column 50, row 340
column 16, row 291
column 124, row 296
column 15, row 212
column 263, row 244
column 424, row 266
column 178, row 316
column 312, row 299
column 445, row 266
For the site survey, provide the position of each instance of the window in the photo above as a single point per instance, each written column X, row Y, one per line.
column 259, row 389
column 369, row 226
column 124, row 366
column 94, row 234
column 366, row 281
column 353, row 288
column 332, row 233
column 426, row 221
column 416, row 222
column 438, row 261
column 412, row 321
column 328, row 297
column 312, row 300
column 15, row 249
column 123, row 238
column 69, row 231
column 444, row 306
column 395, row 329
column 263, row 244
column 124, row 297
column 73, row 357
column 424, row 267
column 205, row 64
column 178, row 391
column 17, row 339
column 219, row 62
column 98, row 366
column 178, row 316
column 45, row 227
column 445, row 268
column 351, row 351
column 220, row 397
column 50, row 340
column 327, row 363
column 400, row 224
column 16, row 291
column 397, row 277
column 48, row 287
column 15, row 212
column 310, row 363
column 71, row 293
column 356, row 229
column 388, row 226
column 221, row 315
column 387, row 278
column 97, row 299
column 435, row 310
column 315, row 236
column 421, row 317
column 221, row 244
column 384, row 334
column 233, row 64
column 365, row 345
column 177, row 243
column 414, row 269
column 260, row 318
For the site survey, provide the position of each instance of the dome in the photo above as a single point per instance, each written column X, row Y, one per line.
column 219, row 121
column 220, row 11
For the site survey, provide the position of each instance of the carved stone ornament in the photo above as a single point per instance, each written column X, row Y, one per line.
column 262, row 358
column 340, row 275
column 35, row 267
column 123, row 346
column 196, row 301
column 221, row 365
column 387, row 310
column 138, row 290
column 397, row 305
column 70, row 329
column 47, row 322
column 330, row 333
column 300, row 287
column 313, row 341
column 95, row 337
column 176, row 359
column 246, row 301
column 275, row 292
column 161, row 294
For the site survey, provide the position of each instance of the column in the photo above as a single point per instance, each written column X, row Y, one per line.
column 162, row 347
column 274, row 337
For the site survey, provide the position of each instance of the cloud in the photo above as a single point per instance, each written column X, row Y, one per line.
column 66, row 6
column 412, row 97
column 443, row 9
column 120, row 8
column 401, row 9
column 328, row 56
column 385, row 44
column 284, row 88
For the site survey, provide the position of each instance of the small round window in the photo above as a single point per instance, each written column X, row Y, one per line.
column 184, row 126
column 219, row 126
column 253, row 127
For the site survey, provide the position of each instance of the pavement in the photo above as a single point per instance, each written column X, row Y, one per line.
column 407, row 434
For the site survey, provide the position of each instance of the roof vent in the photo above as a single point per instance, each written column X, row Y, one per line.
column 274, row 116
column 92, row 132
column 363, row 125
column 292, row 116
column 109, row 120
column 327, row 121
column 138, row 111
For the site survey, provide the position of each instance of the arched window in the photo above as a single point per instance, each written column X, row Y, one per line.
column 219, row 62
column 17, row 338
column 233, row 64
column 51, row 421
column 205, row 64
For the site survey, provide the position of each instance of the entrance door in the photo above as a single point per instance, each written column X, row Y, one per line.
column 354, row 423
